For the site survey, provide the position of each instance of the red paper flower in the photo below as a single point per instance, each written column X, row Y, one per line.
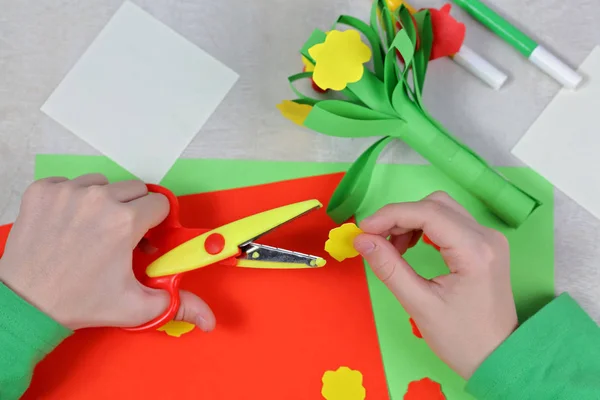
column 425, row 389
column 415, row 328
column 448, row 33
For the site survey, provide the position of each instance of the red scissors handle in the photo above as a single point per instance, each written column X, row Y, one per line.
column 166, row 236
column 171, row 285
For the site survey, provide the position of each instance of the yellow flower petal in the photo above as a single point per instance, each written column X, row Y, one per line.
column 339, row 60
column 176, row 328
column 343, row 384
column 293, row 111
column 341, row 242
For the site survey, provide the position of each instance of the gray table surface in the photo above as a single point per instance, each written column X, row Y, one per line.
column 40, row 40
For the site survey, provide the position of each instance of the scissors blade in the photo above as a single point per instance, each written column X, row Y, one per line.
column 281, row 216
column 200, row 251
column 256, row 255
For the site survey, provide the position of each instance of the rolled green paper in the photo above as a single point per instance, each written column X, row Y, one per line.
column 384, row 103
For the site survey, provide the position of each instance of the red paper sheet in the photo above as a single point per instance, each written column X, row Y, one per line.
column 277, row 331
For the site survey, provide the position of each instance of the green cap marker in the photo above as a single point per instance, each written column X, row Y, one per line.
column 537, row 54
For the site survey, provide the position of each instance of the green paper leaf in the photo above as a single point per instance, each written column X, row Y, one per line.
column 343, row 119
column 404, row 44
column 351, row 191
column 371, row 92
column 305, row 99
column 388, row 24
column 422, row 55
column 316, row 37
column 390, row 79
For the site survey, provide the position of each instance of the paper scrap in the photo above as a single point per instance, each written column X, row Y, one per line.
column 343, row 384
column 140, row 93
column 340, row 244
column 176, row 328
column 415, row 328
column 563, row 143
column 425, row 389
column 339, row 59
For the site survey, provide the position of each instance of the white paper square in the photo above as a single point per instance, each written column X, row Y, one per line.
column 140, row 93
column 563, row 144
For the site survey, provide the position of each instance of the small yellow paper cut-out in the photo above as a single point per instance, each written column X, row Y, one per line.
column 293, row 111
column 343, row 384
column 339, row 60
column 341, row 242
column 176, row 328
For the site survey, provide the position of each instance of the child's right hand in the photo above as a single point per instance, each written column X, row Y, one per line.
column 465, row 314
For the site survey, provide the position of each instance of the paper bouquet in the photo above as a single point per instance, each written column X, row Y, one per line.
column 387, row 102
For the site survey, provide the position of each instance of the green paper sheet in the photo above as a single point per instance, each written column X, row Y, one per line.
column 405, row 357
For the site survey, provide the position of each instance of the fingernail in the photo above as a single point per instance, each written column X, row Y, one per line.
column 203, row 324
column 364, row 246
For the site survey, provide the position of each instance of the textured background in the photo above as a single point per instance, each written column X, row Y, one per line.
column 40, row 40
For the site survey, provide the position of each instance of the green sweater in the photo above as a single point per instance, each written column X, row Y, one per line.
column 553, row 355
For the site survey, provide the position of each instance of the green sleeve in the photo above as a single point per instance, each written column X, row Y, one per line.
column 27, row 335
column 553, row 355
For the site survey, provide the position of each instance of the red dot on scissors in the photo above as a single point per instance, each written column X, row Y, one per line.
column 214, row 243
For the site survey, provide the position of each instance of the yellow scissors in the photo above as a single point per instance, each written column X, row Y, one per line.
column 181, row 249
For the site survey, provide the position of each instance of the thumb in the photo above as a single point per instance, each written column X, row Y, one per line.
column 192, row 308
column 195, row 311
column 389, row 266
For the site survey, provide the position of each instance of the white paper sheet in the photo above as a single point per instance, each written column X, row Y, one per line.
column 563, row 144
column 140, row 93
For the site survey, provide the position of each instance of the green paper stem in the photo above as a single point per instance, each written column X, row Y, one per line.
column 507, row 201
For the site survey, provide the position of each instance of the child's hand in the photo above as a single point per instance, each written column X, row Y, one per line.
column 464, row 315
column 70, row 252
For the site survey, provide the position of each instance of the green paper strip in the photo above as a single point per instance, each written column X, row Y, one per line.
column 305, row 99
column 353, row 188
column 421, row 59
column 342, row 119
column 316, row 37
column 369, row 90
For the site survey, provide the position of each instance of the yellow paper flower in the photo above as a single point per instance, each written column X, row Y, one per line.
column 293, row 111
column 176, row 328
column 341, row 242
column 343, row 384
column 339, row 60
